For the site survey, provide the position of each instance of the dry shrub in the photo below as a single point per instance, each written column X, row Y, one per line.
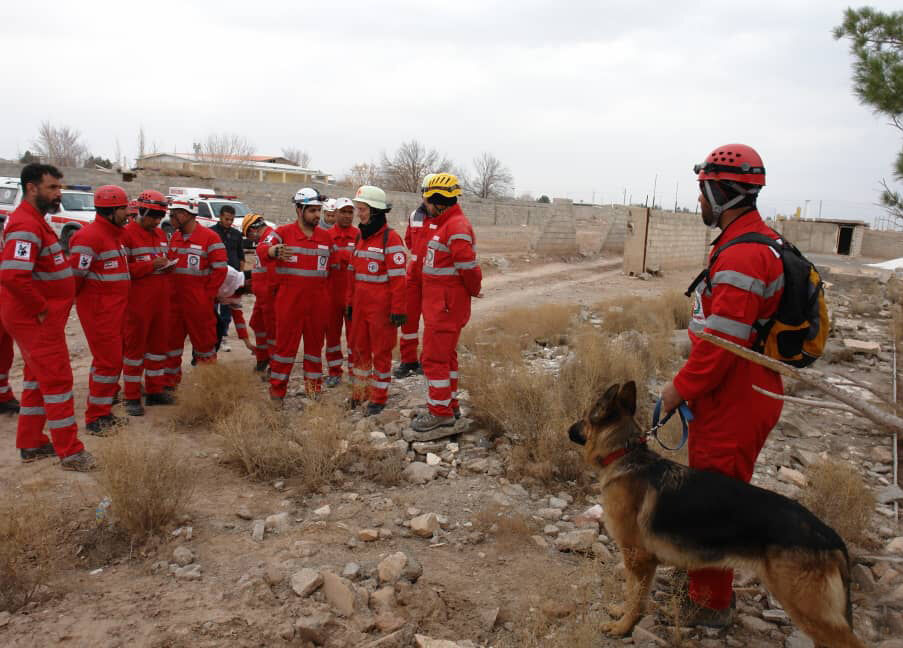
column 265, row 444
column 212, row 391
column 149, row 483
column 506, row 526
column 381, row 466
column 507, row 335
column 642, row 314
column 837, row 494
column 32, row 528
column 680, row 307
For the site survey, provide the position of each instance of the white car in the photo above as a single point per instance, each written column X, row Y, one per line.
column 76, row 207
column 209, row 205
column 10, row 197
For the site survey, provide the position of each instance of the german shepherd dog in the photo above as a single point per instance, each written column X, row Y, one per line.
column 660, row 512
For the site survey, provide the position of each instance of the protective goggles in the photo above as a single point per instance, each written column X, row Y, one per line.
column 711, row 167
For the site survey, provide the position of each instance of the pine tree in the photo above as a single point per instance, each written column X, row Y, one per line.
column 876, row 43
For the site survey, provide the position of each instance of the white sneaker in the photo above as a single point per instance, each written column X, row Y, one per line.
column 225, row 347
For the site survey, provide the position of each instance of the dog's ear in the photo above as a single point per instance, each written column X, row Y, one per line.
column 627, row 398
column 604, row 405
column 576, row 433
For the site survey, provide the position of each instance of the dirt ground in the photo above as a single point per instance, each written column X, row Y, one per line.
column 476, row 586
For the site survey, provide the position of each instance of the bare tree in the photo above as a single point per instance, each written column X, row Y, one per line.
column 363, row 173
column 404, row 170
column 298, row 156
column 60, row 146
column 225, row 148
column 491, row 179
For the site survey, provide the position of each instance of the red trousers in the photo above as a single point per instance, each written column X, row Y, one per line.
column 372, row 338
column 194, row 318
column 6, row 361
column 47, row 385
column 334, row 357
column 103, row 330
column 263, row 323
column 413, row 295
column 440, row 365
column 300, row 313
column 146, row 343
column 730, row 428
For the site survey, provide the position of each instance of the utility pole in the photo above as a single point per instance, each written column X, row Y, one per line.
column 676, row 185
column 819, row 210
column 654, row 186
column 624, row 202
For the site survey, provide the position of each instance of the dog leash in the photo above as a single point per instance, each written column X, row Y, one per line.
column 686, row 416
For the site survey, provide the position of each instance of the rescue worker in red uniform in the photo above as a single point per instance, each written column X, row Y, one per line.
column 102, row 282
column 263, row 317
column 416, row 236
column 8, row 402
column 302, row 252
column 732, row 420
column 199, row 272
column 147, row 315
column 36, row 294
column 451, row 277
column 375, row 298
column 343, row 235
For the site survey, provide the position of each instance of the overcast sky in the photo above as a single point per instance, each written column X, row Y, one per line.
column 577, row 98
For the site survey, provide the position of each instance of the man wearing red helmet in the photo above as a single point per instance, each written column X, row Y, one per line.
column 732, row 420
column 102, row 281
column 36, row 293
column 344, row 235
column 147, row 316
column 199, row 272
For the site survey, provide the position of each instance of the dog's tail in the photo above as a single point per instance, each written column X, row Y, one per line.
column 845, row 577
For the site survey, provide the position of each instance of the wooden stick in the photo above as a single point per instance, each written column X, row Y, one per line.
column 861, row 383
column 811, row 402
column 649, row 635
column 810, row 377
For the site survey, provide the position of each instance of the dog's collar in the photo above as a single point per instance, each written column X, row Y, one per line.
column 610, row 458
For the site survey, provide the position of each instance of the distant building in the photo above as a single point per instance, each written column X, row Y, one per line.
column 264, row 168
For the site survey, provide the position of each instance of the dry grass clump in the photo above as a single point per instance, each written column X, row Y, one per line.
column 680, row 306
column 506, row 335
column 149, row 483
column 381, row 466
column 32, row 528
column 837, row 494
column 212, row 391
column 506, row 526
column 265, row 444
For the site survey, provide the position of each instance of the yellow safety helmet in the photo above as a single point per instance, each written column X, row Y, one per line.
column 444, row 184
column 249, row 220
column 426, row 181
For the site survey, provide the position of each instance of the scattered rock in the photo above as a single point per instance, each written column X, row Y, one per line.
column 305, row 548
column 391, row 567
column 895, row 546
column 273, row 575
column 539, row 541
column 489, row 617
column 257, row 530
column 418, row 472
column 601, row 552
column 754, row 624
column 278, row 523
column 312, row 628
column 551, row 530
column 552, row 514
column 432, row 459
column 775, row 615
column 413, row 570
column 580, row 540
column 368, row 535
column 244, row 513
column 182, row 556
column 4, row 618
column 191, row 572
column 555, row 609
column 306, row 581
column 424, row 526
column 323, row 511
column 557, row 503
column 339, row 593
column 351, row 571
column 863, row 577
column 422, row 641
column 791, row 476
column 862, row 346
column 383, row 599
column 798, row 640
column 590, row 517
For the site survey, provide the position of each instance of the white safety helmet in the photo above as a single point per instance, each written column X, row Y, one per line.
column 329, row 205
column 305, row 197
column 373, row 196
column 183, row 202
column 343, row 202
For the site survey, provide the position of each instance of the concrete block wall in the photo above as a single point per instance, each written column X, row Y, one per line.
column 882, row 245
column 662, row 241
column 810, row 236
column 558, row 236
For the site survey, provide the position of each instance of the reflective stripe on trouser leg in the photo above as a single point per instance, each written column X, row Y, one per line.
column 137, row 329
column 407, row 345
column 360, row 338
column 314, row 332
column 105, row 342
column 438, row 351
column 382, row 341
column 30, row 429
column 102, row 388
column 288, row 338
column 200, row 322
column 334, row 358
column 258, row 325
column 453, row 372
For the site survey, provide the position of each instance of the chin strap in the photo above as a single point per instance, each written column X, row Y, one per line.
column 719, row 208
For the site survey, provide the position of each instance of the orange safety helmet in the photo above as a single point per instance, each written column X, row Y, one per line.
column 110, row 196
column 150, row 199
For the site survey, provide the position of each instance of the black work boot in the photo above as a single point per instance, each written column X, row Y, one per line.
column 134, row 407
column 105, row 425
column 161, row 398
column 374, row 408
column 34, row 454
column 406, row 369
column 9, row 407
column 261, row 366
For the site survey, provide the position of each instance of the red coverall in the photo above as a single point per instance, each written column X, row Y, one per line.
column 200, row 271
column 100, row 266
column 343, row 239
column 451, row 276
column 263, row 317
column 147, row 315
column 302, row 305
column 35, row 278
column 416, row 236
column 375, row 291
column 6, row 361
column 732, row 421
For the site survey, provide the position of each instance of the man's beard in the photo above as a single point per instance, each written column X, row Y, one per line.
column 48, row 206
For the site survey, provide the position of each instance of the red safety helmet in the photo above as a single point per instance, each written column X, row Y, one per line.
column 150, row 199
column 110, row 196
column 133, row 208
column 733, row 162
